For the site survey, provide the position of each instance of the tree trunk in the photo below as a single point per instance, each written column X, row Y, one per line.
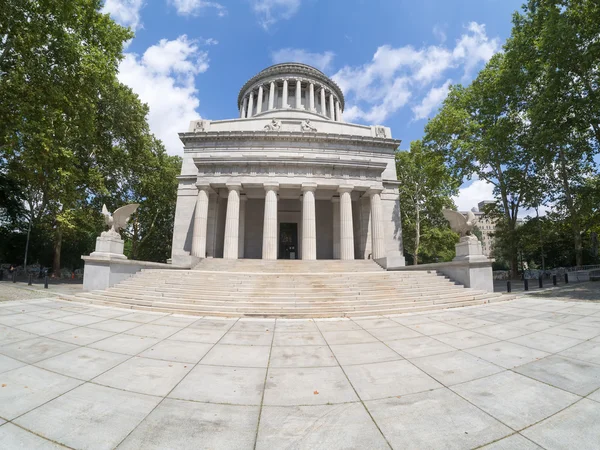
column 514, row 266
column 417, row 235
column 573, row 216
column 57, row 248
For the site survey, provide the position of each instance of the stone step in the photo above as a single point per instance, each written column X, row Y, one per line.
column 312, row 314
column 287, row 293
column 313, row 302
column 286, row 289
column 284, row 266
column 285, row 285
column 298, row 306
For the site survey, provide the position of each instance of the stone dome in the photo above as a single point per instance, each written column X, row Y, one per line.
column 291, row 87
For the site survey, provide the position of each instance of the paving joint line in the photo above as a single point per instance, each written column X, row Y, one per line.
column 354, row 389
column 176, row 384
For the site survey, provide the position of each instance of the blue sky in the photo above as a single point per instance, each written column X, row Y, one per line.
column 394, row 59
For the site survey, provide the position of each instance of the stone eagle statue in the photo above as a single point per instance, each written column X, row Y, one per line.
column 119, row 218
column 459, row 223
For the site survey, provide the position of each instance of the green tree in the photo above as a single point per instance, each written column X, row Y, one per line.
column 554, row 48
column 70, row 133
column 426, row 187
column 480, row 132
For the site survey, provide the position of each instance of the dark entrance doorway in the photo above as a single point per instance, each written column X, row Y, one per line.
column 288, row 241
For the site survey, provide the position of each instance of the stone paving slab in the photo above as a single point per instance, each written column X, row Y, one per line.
column 346, row 425
column 524, row 374
column 515, row 400
column 90, row 415
column 433, row 420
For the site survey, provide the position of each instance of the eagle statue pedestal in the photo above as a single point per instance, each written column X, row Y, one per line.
column 109, row 244
column 469, row 249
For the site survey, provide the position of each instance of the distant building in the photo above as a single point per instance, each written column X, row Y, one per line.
column 486, row 225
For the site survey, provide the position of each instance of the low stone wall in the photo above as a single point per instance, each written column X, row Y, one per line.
column 103, row 272
column 476, row 275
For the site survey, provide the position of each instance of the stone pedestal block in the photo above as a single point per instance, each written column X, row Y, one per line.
column 469, row 249
column 109, row 245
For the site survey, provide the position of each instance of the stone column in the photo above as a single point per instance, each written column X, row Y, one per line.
column 242, row 232
column 377, row 237
column 200, row 221
column 298, row 94
column 244, row 106
column 272, row 96
column 323, row 102
column 336, row 227
column 331, row 107
column 250, row 105
column 338, row 113
column 284, row 98
column 259, row 101
column 311, row 98
column 309, row 224
column 232, row 222
column 269, row 250
column 346, row 227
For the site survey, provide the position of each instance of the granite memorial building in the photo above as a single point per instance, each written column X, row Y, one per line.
column 288, row 179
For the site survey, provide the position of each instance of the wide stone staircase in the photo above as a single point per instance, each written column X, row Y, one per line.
column 282, row 288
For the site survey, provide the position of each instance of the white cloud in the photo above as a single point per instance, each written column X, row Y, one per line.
column 193, row 7
column 321, row 61
column 124, row 12
column 271, row 11
column 469, row 196
column 432, row 100
column 164, row 78
column 395, row 76
column 439, row 33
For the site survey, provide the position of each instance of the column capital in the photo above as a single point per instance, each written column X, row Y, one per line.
column 234, row 186
column 309, row 187
column 271, row 186
column 374, row 190
column 203, row 186
column 345, row 188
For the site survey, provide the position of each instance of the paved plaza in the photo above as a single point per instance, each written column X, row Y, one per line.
column 522, row 374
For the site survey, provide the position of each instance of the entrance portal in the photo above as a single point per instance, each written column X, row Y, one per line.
column 288, row 241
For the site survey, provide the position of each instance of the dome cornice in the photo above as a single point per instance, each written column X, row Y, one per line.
column 292, row 69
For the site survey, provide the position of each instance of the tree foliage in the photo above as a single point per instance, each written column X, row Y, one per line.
column 554, row 47
column 71, row 135
column 478, row 132
column 426, row 187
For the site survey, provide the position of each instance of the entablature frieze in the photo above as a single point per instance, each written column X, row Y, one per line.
column 290, row 167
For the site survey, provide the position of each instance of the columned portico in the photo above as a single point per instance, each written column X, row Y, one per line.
column 336, row 227
column 242, row 232
column 309, row 224
column 269, row 250
column 232, row 222
column 377, row 235
column 346, row 225
column 200, row 221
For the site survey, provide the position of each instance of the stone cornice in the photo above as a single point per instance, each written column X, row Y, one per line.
column 299, row 161
column 293, row 69
column 289, row 136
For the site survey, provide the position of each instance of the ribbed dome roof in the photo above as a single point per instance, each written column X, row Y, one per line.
column 292, row 68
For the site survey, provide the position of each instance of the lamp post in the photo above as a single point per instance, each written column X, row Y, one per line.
column 541, row 238
column 27, row 245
